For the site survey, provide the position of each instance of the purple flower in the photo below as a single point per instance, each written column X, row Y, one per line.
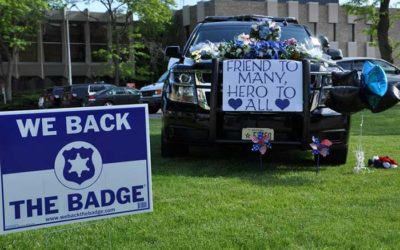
column 291, row 41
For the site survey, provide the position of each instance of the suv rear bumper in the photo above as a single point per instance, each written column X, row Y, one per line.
column 196, row 129
column 190, row 124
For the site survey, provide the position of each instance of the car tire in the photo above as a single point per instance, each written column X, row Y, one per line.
column 108, row 104
column 335, row 157
column 173, row 149
column 153, row 109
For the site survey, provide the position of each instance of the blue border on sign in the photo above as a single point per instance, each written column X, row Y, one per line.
column 149, row 201
column 2, row 200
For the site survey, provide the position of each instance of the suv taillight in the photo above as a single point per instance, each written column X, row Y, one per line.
column 91, row 98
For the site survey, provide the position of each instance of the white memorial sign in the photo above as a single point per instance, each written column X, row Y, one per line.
column 262, row 85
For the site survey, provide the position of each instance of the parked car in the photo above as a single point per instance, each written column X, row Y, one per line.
column 192, row 100
column 114, row 96
column 351, row 63
column 151, row 94
column 51, row 97
column 77, row 94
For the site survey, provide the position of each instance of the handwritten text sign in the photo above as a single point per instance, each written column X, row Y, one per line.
column 262, row 85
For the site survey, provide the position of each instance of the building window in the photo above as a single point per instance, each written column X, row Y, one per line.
column 334, row 32
column 187, row 31
column 3, row 55
column 315, row 28
column 77, row 41
column 78, row 52
column 98, row 40
column 29, row 54
column 96, row 57
column 52, row 44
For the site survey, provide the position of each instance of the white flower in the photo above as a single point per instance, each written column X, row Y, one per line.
column 315, row 53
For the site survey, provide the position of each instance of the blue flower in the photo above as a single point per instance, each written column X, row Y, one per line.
column 264, row 32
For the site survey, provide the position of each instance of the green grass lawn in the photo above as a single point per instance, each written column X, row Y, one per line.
column 220, row 199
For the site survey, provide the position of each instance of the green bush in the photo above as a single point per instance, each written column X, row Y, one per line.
column 22, row 101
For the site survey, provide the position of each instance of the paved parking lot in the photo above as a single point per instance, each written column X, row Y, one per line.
column 156, row 115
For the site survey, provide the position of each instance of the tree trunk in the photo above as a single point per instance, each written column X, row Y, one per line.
column 116, row 60
column 10, row 69
column 383, row 31
column 116, row 72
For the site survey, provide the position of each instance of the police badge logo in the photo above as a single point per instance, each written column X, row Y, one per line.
column 78, row 165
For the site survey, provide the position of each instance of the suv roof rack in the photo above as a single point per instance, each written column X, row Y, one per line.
column 244, row 18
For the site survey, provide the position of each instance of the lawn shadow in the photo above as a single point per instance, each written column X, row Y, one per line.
column 279, row 167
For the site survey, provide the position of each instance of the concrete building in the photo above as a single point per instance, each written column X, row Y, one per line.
column 45, row 62
column 325, row 17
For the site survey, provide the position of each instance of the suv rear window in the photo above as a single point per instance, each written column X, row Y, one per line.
column 225, row 33
column 58, row 90
column 80, row 90
column 96, row 88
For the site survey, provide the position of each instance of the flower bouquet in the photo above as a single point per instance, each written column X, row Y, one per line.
column 262, row 43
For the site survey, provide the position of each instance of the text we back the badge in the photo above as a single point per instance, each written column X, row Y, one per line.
column 256, row 85
column 71, row 165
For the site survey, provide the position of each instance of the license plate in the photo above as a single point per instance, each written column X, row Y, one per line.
column 247, row 133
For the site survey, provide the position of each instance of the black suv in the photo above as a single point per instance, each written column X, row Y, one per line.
column 76, row 95
column 51, row 97
column 192, row 98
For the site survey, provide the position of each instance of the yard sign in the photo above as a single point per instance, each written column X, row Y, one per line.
column 72, row 165
column 262, row 85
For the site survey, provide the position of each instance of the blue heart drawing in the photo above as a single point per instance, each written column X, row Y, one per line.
column 235, row 103
column 282, row 103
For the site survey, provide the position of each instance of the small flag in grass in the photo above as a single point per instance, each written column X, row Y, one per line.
column 261, row 144
column 320, row 148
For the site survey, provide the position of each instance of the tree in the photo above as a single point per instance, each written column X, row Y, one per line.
column 126, row 44
column 378, row 13
column 19, row 22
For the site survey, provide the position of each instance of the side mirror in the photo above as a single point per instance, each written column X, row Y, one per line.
column 173, row 51
column 335, row 54
column 324, row 41
column 397, row 71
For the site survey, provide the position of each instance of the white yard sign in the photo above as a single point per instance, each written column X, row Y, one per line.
column 262, row 85
column 72, row 165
